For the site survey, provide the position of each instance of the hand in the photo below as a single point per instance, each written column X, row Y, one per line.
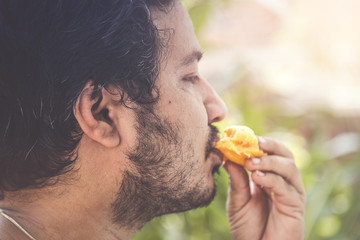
column 273, row 208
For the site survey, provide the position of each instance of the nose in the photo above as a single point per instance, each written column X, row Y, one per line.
column 215, row 106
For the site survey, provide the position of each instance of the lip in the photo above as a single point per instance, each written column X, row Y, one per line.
column 216, row 159
column 218, row 137
column 218, row 154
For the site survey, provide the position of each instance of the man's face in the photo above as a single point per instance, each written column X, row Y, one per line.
column 173, row 153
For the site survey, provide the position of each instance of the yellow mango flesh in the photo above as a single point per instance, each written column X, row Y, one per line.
column 239, row 143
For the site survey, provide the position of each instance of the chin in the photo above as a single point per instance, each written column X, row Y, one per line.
column 204, row 201
column 200, row 196
column 206, row 193
column 209, row 197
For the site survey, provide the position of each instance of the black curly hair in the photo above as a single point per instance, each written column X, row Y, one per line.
column 49, row 50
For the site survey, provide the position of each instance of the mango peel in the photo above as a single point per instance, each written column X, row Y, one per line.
column 239, row 143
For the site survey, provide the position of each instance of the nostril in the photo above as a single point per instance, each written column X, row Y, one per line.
column 216, row 111
column 217, row 119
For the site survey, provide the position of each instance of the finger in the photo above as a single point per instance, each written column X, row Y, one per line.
column 276, row 187
column 239, row 187
column 284, row 167
column 274, row 147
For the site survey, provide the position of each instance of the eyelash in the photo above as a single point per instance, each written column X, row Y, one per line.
column 191, row 79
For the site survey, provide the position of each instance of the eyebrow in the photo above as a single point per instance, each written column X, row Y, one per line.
column 194, row 56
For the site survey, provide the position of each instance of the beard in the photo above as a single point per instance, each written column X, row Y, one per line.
column 160, row 185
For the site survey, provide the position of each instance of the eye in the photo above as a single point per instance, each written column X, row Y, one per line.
column 192, row 78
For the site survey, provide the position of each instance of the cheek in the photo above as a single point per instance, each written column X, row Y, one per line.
column 190, row 116
column 192, row 119
column 187, row 108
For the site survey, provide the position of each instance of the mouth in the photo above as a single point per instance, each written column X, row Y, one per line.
column 217, row 157
column 215, row 170
column 215, row 140
column 218, row 154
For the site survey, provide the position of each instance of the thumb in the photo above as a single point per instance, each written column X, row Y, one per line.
column 239, row 187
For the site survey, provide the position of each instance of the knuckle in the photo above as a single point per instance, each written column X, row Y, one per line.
column 292, row 166
column 294, row 172
column 290, row 154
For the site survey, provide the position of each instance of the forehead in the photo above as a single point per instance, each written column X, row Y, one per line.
column 178, row 33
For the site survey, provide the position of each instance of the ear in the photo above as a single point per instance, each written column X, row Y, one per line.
column 94, row 113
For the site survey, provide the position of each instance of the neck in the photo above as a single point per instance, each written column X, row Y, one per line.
column 63, row 219
column 75, row 209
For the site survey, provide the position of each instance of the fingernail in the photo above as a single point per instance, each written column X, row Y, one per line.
column 259, row 173
column 255, row 161
column 261, row 140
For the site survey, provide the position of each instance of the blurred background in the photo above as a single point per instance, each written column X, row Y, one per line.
column 289, row 69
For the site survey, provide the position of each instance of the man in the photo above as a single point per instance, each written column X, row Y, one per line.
column 106, row 124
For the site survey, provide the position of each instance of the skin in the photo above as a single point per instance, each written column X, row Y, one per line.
column 80, row 205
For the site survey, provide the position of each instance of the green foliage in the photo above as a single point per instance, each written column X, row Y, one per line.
column 200, row 10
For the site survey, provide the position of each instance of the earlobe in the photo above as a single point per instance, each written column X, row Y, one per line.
column 93, row 113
